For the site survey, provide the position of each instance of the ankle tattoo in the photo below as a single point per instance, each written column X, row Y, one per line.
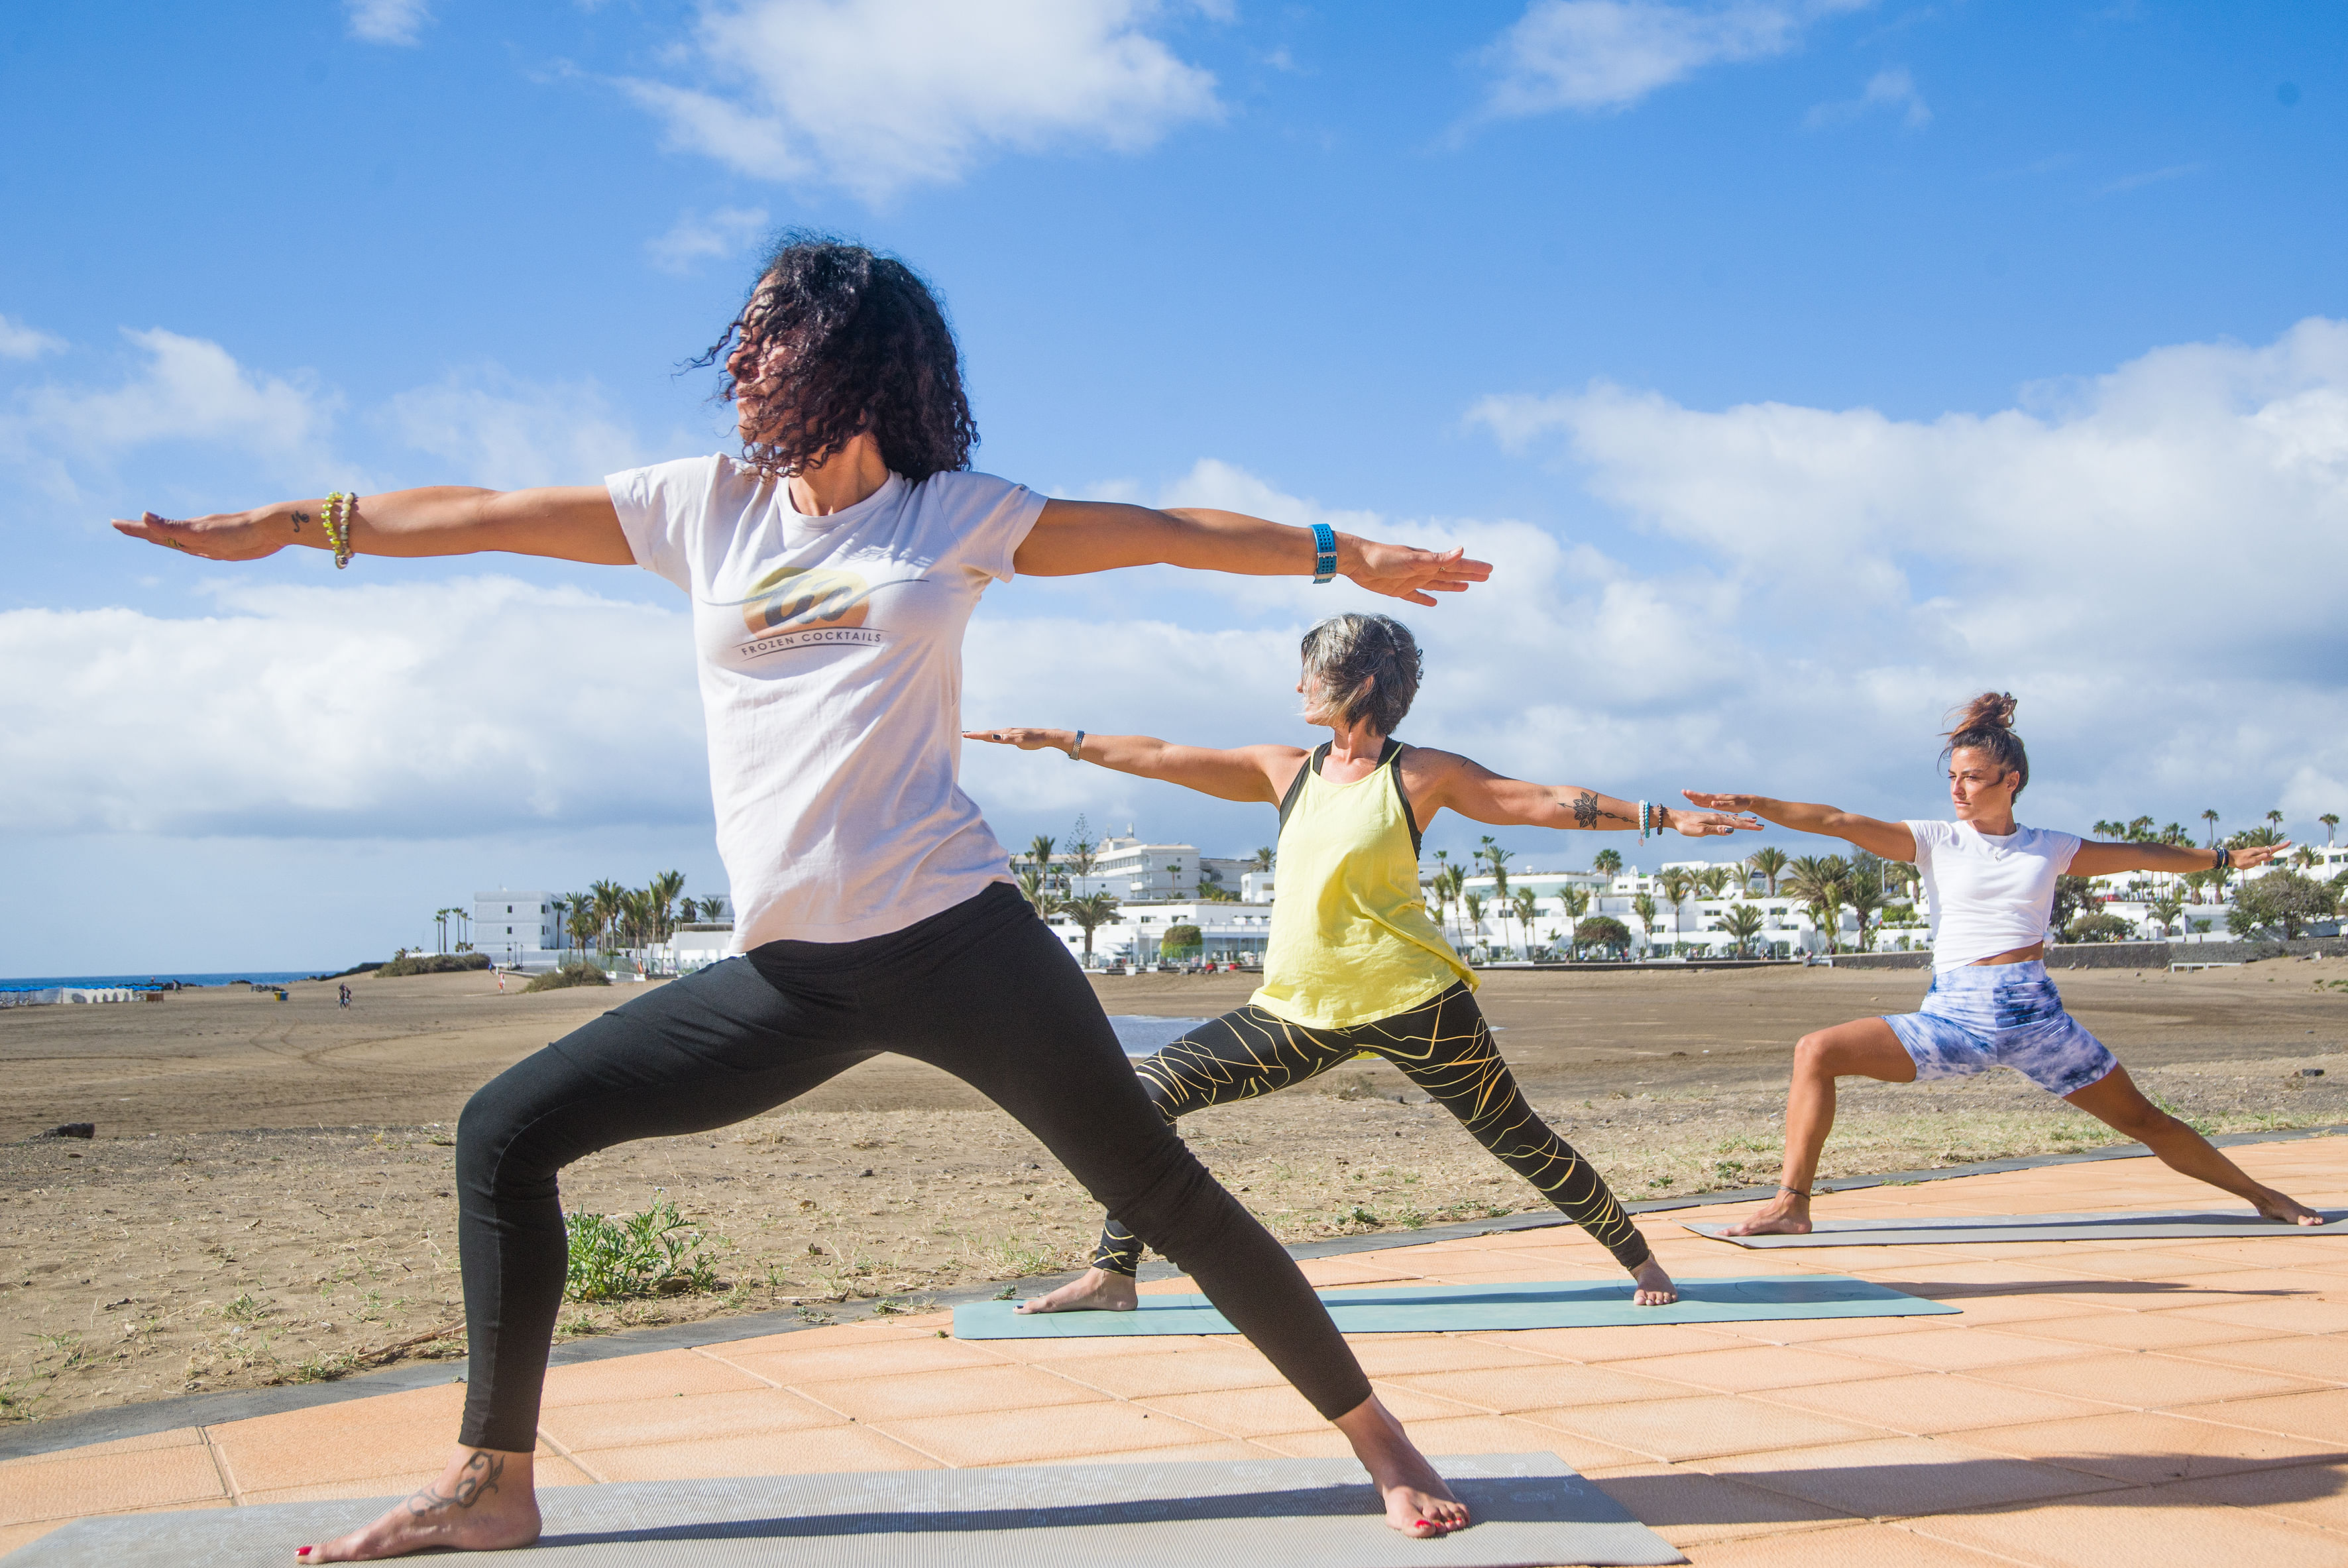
column 478, row 1478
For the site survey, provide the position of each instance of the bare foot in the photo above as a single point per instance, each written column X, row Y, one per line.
column 1655, row 1287
column 2290, row 1212
column 1097, row 1291
column 1418, row 1501
column 1786, row 1214
column 482, row 1501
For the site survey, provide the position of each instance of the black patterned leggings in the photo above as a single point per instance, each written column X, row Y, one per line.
column 1442, row 1046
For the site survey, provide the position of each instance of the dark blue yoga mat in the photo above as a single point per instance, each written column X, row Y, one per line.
column 1469, row 1308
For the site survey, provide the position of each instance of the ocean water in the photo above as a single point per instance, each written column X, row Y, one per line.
column 97, row 982
column 1142, row 1035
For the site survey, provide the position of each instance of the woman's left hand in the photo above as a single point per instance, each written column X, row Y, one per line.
column 1705, row 824
column 1404, row 572
column 1024, row 740
column 2251, row 855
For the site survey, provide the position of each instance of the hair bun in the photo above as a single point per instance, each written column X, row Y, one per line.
column 1991, row 710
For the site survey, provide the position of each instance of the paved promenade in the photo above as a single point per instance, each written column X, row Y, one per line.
column 2096, row 1404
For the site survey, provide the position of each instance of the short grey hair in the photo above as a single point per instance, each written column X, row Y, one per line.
column 1360, row 667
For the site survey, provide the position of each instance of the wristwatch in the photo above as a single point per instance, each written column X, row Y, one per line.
column 1324, row 552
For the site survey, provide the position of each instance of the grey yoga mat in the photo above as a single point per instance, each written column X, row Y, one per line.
column 2102, row 1226
column 1530, row 1508
column 1464, row 1308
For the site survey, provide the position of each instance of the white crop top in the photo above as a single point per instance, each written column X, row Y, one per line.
column 1989, row 894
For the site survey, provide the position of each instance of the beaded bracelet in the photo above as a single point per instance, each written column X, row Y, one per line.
column 1643, row 821
column 342, row 509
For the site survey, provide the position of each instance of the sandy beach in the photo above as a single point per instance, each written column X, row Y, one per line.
column 269, row 1196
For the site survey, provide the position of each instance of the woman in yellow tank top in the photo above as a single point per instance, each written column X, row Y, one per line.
column 1354, row 964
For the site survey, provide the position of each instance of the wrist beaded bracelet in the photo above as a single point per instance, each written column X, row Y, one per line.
column 1643, row 821
column 341, row 510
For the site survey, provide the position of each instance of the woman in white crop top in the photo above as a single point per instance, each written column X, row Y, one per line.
column 1992, row 886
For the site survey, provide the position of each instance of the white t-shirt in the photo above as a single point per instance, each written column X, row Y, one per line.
column 1989, row 894
column 831, row 657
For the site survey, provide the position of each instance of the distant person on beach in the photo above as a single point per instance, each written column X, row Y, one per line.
column 833, row 568
column 343, row 995
column 1991, row 883
column 1354, row 965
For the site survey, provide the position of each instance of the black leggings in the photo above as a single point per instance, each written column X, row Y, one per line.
column 1443, row 1046
column 983, row 991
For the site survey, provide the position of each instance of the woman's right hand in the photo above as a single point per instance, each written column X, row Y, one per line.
column 223, row 536
column 1024, row 740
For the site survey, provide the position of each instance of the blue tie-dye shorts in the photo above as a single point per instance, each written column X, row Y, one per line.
column 2001, row 1014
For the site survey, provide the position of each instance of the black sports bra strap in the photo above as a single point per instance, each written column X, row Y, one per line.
column 1402, row 794
column 1296, row 785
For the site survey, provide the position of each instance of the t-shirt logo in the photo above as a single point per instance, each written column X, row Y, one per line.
column 805, row 598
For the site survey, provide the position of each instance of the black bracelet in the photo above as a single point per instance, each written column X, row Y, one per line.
column 2225, row 858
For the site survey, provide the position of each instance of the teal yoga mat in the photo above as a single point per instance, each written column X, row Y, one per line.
column 1434, row 1308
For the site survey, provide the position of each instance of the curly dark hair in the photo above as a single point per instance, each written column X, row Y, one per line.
column 1986, row 724
column 867, row 348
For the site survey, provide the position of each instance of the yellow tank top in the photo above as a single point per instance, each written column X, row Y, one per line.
column 1351, row 938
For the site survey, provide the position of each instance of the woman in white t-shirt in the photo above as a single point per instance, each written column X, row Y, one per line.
column 833, row 568
column 1991, row 883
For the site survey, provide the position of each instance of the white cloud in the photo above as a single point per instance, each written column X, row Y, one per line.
column 694, row 239
column 504, row 433
column 2110, row 551
column 18, row 341
column 428, row 710
column 187, row 389
column 1593, row 55
column 387, row 21
column 1892, row 90
column 874, row 96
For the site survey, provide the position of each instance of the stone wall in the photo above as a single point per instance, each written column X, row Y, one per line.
column 2127, row 954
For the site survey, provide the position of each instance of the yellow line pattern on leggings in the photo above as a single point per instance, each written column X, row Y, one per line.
column 1442, row 1045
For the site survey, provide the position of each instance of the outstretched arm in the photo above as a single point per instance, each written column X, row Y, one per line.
column 1892, row 841
column 1073, row 537
column 2095, row 860
column 567, row 522
column 1441, row 778
column 1248, row 773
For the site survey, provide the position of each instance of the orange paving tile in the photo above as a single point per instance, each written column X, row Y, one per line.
column 2121, row 1403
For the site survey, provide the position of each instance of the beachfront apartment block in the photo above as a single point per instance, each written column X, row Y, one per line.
column 519, row 930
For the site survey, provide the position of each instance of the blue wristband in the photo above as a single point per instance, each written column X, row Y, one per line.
column 1324, row 552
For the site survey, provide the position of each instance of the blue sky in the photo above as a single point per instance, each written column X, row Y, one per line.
column 1805, row 365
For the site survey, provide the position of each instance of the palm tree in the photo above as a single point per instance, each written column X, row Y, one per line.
column 1677, row 883
column 1820, row 882
column 1863, row 890
column 607, row 895
column 1575, row 899
column 1090, row 914
column 1607, row 862
column 1440, row 887
column 2210, row 817
column 2330, row 819
column 1766, row 862
column 1455, row 886
column 1644, row 906
column 1473, row 903
column 1035, row 886
column 440, row 921
column 1492, row 855
column 2274, row 820
column 2139, row 830
column 1742, row 921
column 1264, row 859
column 2109, row 829
column 663, row 890
column 584, row 925
column 2166, row 911
column 1527, row 907
column 1039, row 849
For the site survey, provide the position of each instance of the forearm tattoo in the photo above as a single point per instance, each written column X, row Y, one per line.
column 1586, row 813
column 480, row 1478
column 299, row 519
